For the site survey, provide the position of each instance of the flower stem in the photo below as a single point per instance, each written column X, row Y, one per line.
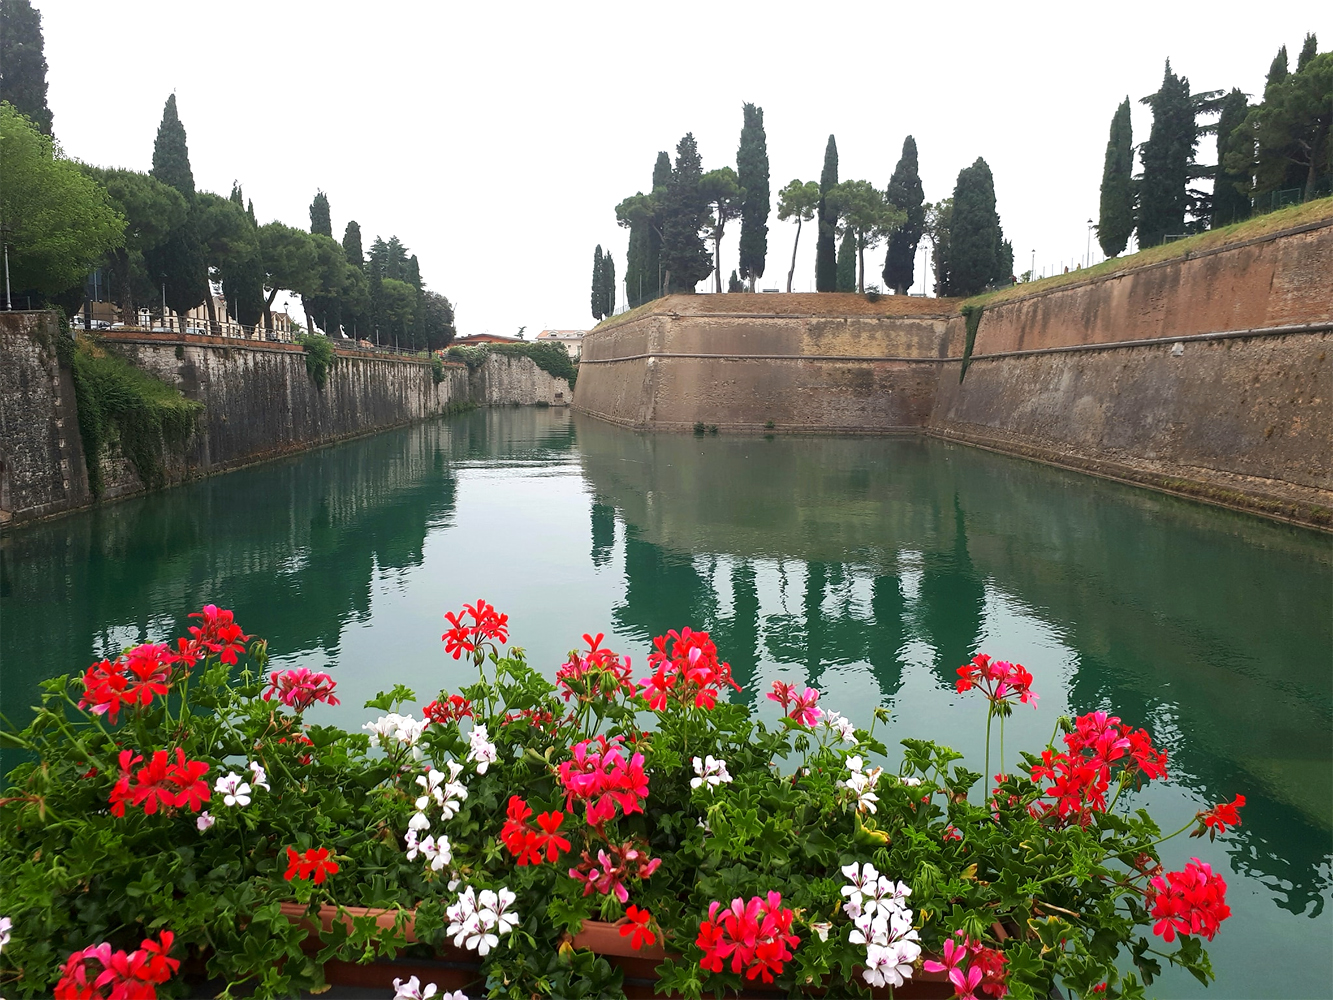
column 985, row 778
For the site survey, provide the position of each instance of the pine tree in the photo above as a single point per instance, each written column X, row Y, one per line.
column 976, row 241
column 826, row 258
column 1167, row 155
column 1116, row 219
column 598, row 285
column 352, row 246
column 752, row 175
column 905, row 193
column 320, row 223
column 685, row 259
column 23, row 62
column 177, row 265
column 608, row 285
column 846, row 280
column 1231, row 189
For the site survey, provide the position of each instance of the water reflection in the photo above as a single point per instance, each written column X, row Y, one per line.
column 871, row 568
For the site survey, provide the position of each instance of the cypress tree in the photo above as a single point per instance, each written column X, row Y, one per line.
column 1116, row 219
column 178, row 263
column 23, row 62
column 652, row 260
column 1231, row 190
column 905, row 193
column 1308, row 51
column 1163, row 195
column 752, row 175
column 846, row 281
column 243, row 277
column 608, row 285
column 1277, row 71
column 685, row 259
column 352, row 246
column 598, row 299
column 826, row 258
column 320, row 223
column 975, row 237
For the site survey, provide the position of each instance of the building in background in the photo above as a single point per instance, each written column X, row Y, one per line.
column 570, row 340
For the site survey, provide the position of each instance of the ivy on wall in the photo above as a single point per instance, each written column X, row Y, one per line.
column 119, row 402
column 972, row 317
column 550, row 358
column 318, row 357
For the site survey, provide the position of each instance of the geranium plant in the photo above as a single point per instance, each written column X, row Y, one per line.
column 173, row 799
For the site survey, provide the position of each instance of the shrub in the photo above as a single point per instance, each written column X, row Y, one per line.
column 319, row 357
column 175, row 797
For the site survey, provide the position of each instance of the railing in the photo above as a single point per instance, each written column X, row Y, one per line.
column 193, row 327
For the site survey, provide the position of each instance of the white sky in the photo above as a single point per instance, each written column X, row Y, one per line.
column 495, row 139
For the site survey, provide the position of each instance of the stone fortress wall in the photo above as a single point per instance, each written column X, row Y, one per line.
column 259, row 403
column 1207, row 375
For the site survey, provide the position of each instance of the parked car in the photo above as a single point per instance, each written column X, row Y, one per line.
column 199, row 330
column 119, row 326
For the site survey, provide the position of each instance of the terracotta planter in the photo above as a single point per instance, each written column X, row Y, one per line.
column 456, row 969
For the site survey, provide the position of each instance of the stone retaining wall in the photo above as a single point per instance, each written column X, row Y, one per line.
column 259, row 403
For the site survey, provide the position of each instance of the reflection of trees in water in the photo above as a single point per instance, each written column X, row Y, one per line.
column 952, row 602
column 1274, row 843
column 305, row 534
column 603, row 532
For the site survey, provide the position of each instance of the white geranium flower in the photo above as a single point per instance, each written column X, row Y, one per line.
column 709, row 771
column 233, row 790
column 6, row 926
column 204, row 821
column 257, row 776
column 418, row 822
column 482, row 752
column 838, row 725
column 438, row 852
column 821, row 929
column 411, row 990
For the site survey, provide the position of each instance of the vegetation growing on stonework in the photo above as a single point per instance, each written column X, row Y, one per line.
column 550, row 358
column 319, row 357
column 120, row 403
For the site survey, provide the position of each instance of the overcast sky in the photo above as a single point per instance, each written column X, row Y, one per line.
column 495, row 139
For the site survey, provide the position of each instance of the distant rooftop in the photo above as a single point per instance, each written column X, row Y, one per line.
column 561, row 334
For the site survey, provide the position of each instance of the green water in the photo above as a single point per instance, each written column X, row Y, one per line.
column 868, row 567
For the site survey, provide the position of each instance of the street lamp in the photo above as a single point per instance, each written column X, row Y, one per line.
column 1087, row 259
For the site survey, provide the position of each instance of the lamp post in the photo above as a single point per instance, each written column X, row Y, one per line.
column 1087, row 259
column 4, row 238
column 1032, row 271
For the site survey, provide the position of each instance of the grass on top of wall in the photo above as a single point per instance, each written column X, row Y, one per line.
column 119, row 402
column 1261, row 225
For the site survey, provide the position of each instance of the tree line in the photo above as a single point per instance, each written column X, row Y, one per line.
column 671, row 228
column 1280, row 144
column 160, row 240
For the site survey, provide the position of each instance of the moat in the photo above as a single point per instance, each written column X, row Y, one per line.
column 867, row 567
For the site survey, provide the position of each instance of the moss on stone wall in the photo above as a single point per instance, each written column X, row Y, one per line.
column 972, row 317
column 119, row 402
column 319, row 357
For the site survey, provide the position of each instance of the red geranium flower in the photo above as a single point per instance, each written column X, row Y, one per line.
column 314, row 861
column 1220, row 818
column 218, row 634
column 685, row 669
column 637, row 929
column 451, row 709
column 487, row 626
column 1192, row 901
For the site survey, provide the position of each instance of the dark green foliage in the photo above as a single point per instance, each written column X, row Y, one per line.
column 178, row 262
column 846, row 281
column 1116, row 219
column 1167, row 155
column 319, row 357
column 352, row 245
column 171, row 155
column 905, row 193
column 438, row 314
column 23, row 62
column 652, row 258
column 1277, row 70
column 1309, row 50
column 752, row 175
column 975, row 252
column 243, row 278
column 550, row 358
column 1231, row 199
column 119, row 403
column 644, row 221
column 597, row 296
column 320, row 222
column 734, row 283
column 939, row 222
column 826, row 258
column 685, row 258
column 608, row 285
column 1291, row 132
